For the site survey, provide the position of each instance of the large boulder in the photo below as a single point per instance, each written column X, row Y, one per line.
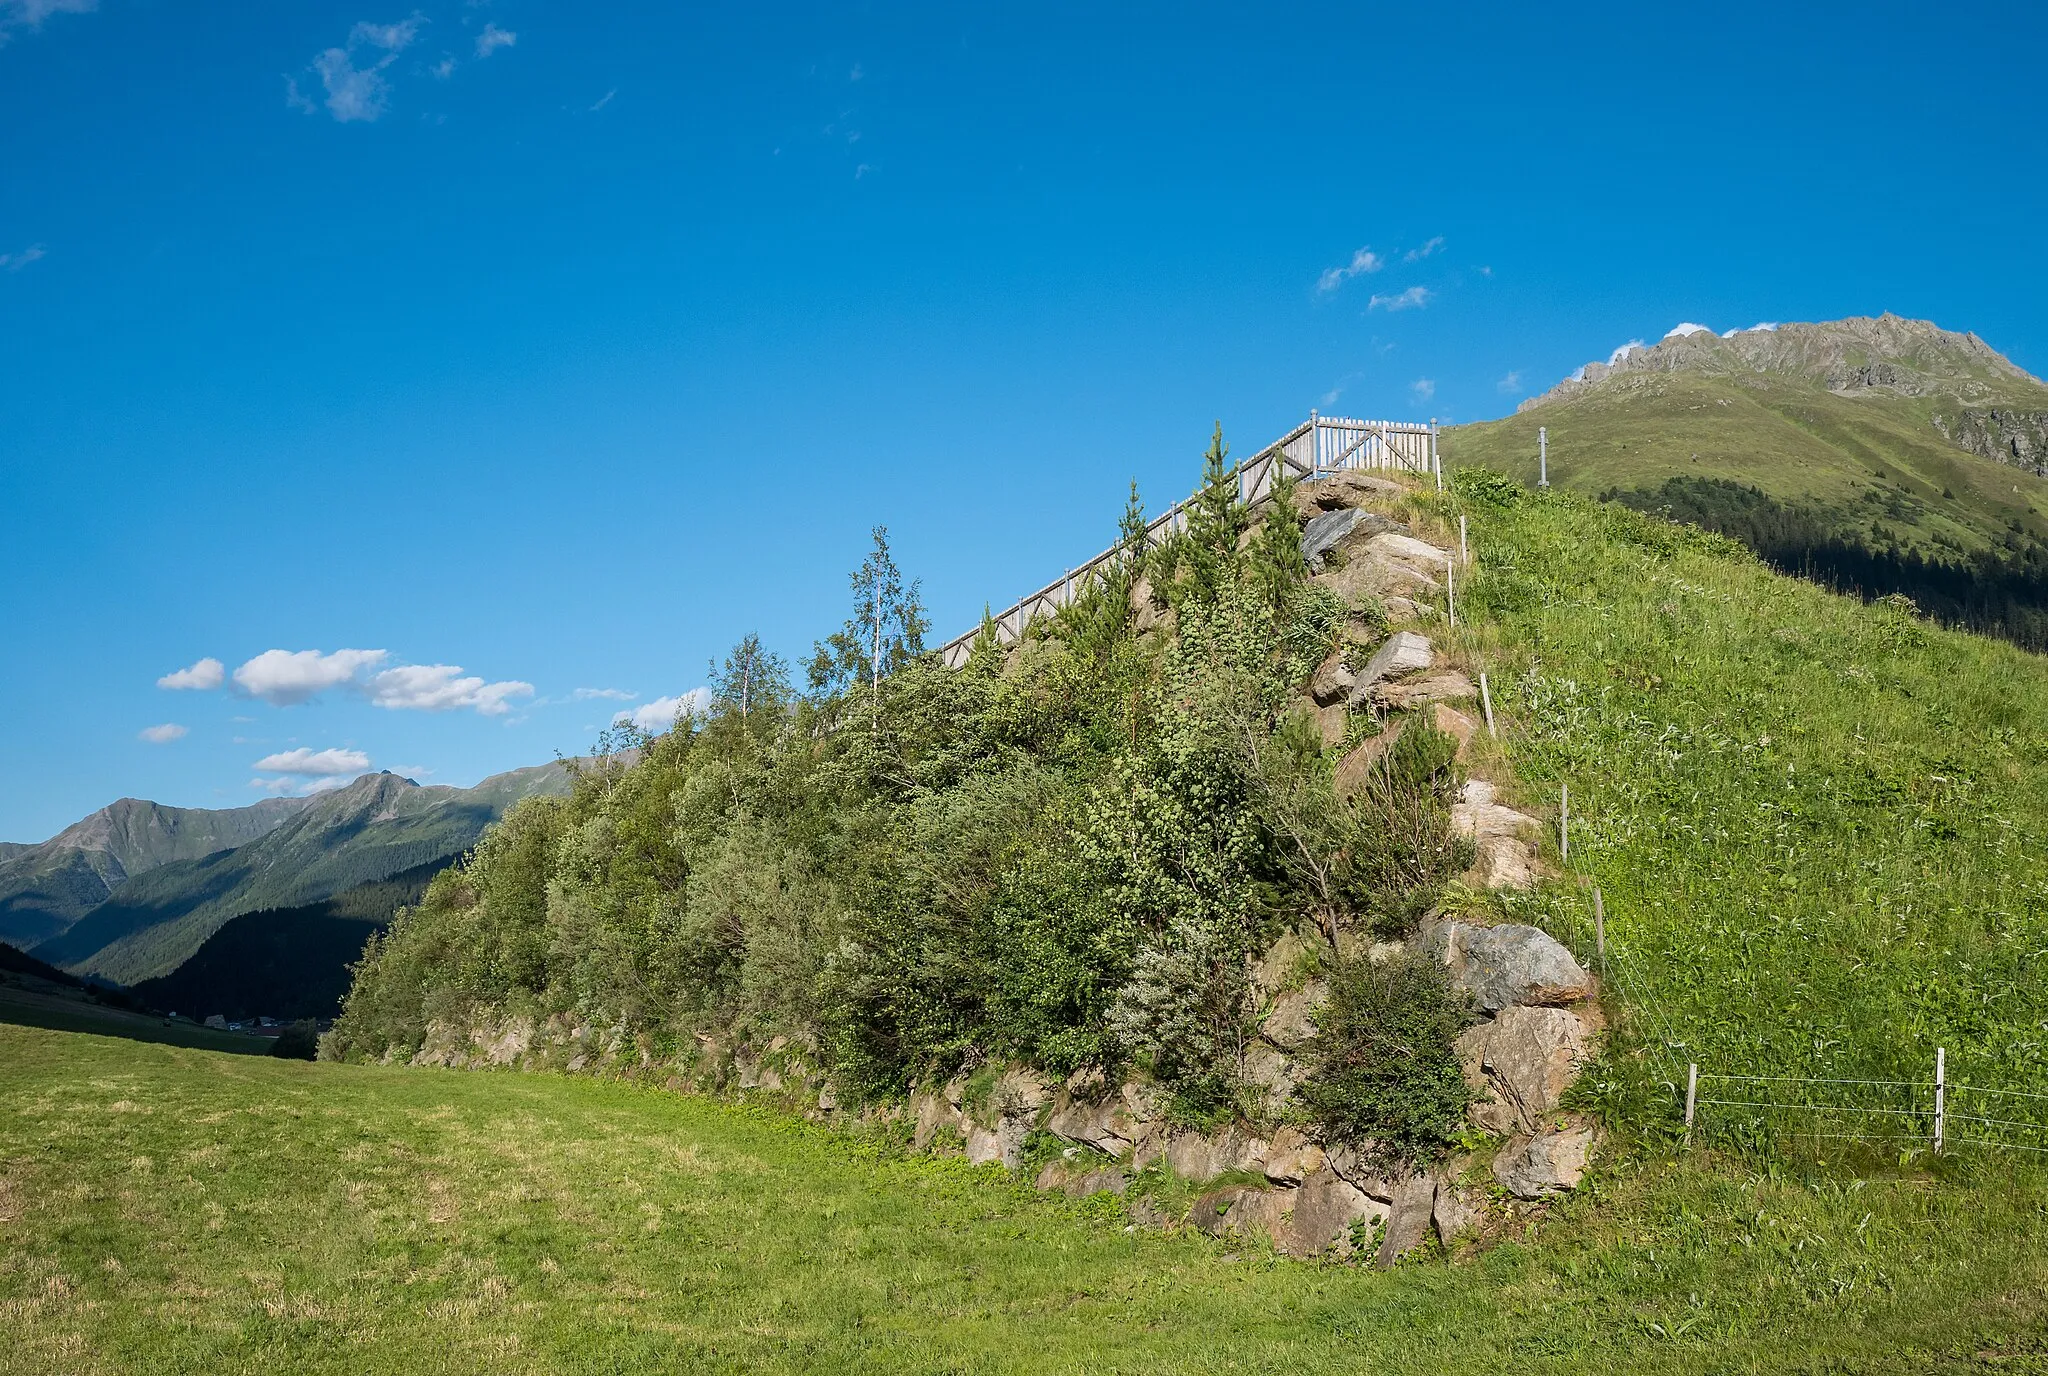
column 1003, row 1143
column 1534, row 1055
column 1292, row 1158
column 1508, row 965
column 1321, row 1216
column 1447, row 685
column 1347, row 488
column 1292, row 1023
column 1198, row 1156
column 1333, row 680
column 1325, row 530
column 1533, row 1167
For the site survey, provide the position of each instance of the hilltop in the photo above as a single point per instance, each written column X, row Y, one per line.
column 1879, row 455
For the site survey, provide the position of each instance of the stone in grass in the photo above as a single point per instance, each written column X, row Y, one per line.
column 1408, row 1220
column 1508, row 965
column 1532, row 1167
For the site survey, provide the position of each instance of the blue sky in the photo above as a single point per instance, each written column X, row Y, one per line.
column 527, row 348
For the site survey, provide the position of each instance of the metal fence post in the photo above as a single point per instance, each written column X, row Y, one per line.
column 1692, row 1090
column 1940, row 1096
column 1543, row 456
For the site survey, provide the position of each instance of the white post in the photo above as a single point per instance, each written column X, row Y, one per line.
column 1564, row 821
column 1940, row 1096
column 1543, row 456
column 1451, row 592
column 1486, row 701
column 1464, row 554
column 1600, row 929
column 1435, row 461
column 1692, row 1089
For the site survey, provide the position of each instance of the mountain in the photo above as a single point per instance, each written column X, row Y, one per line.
column 286, row 962
column 1878, row 455
column 378, row 826
column 46, row 888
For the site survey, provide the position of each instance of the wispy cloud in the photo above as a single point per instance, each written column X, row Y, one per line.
column 15, row 262
column 494, row 38
column 614, row 694
column 306, row 761
column 164, row 734
column 1412, row 299
column 1423, row 389
column 357, row 93
column 1766, row 325
column 657, row 716
column 17, row 15
column 204, row 676
column 1416, row 255
column 1510, row 384
column 604, row 100
column 1362, row 262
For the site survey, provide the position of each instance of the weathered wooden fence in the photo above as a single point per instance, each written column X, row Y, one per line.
column 1318, row 446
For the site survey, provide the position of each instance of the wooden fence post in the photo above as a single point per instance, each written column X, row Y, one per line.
column 1451, row 592
column 1940, row 1097
column 1564, row 821
column 1692, row 1089
column 1464, row 554
column 1600, row 931
column 1486, row 701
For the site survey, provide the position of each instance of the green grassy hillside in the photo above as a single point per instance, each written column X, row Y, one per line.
column 1862, row 486
column 169, row 1211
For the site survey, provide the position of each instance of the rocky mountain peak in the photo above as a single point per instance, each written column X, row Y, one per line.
column 1863, row 353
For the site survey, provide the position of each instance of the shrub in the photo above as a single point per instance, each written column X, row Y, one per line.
column 1384, row 1078
column 298, row 1042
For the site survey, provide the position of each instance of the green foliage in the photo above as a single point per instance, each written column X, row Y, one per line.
column 1384, row 1077
column 298, row 1042
column 884, row 632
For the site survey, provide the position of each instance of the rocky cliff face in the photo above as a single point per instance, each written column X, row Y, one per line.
column 2016, row 437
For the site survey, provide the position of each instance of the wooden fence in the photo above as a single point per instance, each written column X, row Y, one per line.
column 1319, row 446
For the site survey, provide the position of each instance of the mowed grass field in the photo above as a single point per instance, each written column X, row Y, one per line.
column 170, row 1210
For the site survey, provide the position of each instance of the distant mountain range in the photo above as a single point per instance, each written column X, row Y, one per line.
column 132, row 892
column 1880, row 455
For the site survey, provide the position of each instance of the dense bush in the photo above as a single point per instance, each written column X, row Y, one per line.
column 1067, row 852
column 1384, row 1075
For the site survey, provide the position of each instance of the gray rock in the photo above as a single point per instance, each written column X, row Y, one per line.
column 1333, row 679
column 1460, row 1212
column 1508, row 965
column 1533, row 1055
column 1003, row 1144
column 1196, row 1157
column 1292, row 1024
column 1532, row 1167
column 1292, row 1158
column 1325, row 531
column 1405, row 652
column 1247, row 1210
column 1408, row 1220
column 1108, row 1180
column 1320, row 1219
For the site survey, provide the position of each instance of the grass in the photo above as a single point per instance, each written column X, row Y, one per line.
column 1816, row 823
column 1876, row 461
column 166, row 1210
column 31, row 1008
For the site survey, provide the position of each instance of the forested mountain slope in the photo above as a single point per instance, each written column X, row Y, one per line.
column 369, row 830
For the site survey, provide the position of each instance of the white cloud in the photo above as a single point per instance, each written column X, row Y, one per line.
column 1416, row 255
column 1685, row 329
column 1423, row 389
column 615, row 694
column 162, row 735
column 1510, row 384
column 442, row 688
column 283, row 678
column 205, row 676
column 1766, row 325
column 1623, row 352
column 1411, row 299
column 494, row 38
column 655, row 717
column 357, row 93
column 302, row 787
column 606, row 99
column 15, row 262
column 443, row 69
column 1363, row 261
column 309, row 762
